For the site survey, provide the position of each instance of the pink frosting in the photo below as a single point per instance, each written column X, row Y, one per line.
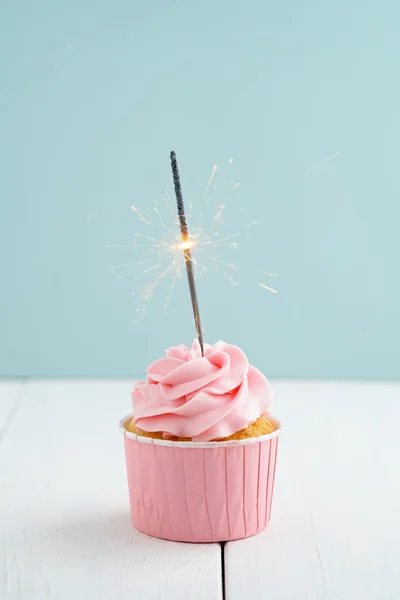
column 202, row 398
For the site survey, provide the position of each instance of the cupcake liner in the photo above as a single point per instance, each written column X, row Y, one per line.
column 200, row 491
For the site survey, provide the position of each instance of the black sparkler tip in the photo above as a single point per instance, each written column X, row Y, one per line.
column 178, row 194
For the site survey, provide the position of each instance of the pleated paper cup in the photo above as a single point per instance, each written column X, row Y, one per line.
column 200, row 491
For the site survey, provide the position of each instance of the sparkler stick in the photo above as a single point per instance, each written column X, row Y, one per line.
column 186, row 247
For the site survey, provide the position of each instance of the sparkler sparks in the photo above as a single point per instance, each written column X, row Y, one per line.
column 321, row 162
column 141, row 215
column 266, row 287
column 209, row 181
column 162, row 243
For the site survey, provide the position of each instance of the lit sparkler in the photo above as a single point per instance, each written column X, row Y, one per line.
column 186, row 247
column 174, row 246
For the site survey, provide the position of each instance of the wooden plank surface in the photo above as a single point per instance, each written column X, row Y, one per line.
column 65, row 530
column 335, row 527
column 64, row 524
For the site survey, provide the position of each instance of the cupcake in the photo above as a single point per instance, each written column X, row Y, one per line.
column 201, row 446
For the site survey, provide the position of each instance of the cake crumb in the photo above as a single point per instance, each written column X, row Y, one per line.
column 260, row 427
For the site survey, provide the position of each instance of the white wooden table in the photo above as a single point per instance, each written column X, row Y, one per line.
column 65, row 531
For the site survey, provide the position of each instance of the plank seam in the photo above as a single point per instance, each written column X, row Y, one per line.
column 223, row 545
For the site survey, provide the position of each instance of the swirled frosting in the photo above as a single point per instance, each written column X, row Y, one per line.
column 202, row 398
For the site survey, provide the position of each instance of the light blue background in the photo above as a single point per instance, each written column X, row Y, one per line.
column 93, row 97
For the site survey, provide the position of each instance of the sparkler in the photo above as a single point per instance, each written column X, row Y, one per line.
column 165, row 253
column 186, row 247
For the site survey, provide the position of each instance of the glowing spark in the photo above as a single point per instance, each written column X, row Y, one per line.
column 168, row 203
column 268, row 288
column 231, row 280
column 218, row 216
column 132, row 245
column 162, row 221
column 91, row 216
column 207, row 240
column 321, row 162
column 146, row 237
column 141, row 215
column 209, row 181
column 230, row 160
column 169, row 295
column 254, row 223
column 157, row 266
column 151, row 289
column 266, row 273
column 235, row 187
column 129, row 266
column 230, row 236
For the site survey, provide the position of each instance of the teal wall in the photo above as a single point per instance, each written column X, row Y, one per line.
column 95, row 94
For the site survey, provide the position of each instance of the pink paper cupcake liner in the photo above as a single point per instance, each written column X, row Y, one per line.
column 200, row 491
